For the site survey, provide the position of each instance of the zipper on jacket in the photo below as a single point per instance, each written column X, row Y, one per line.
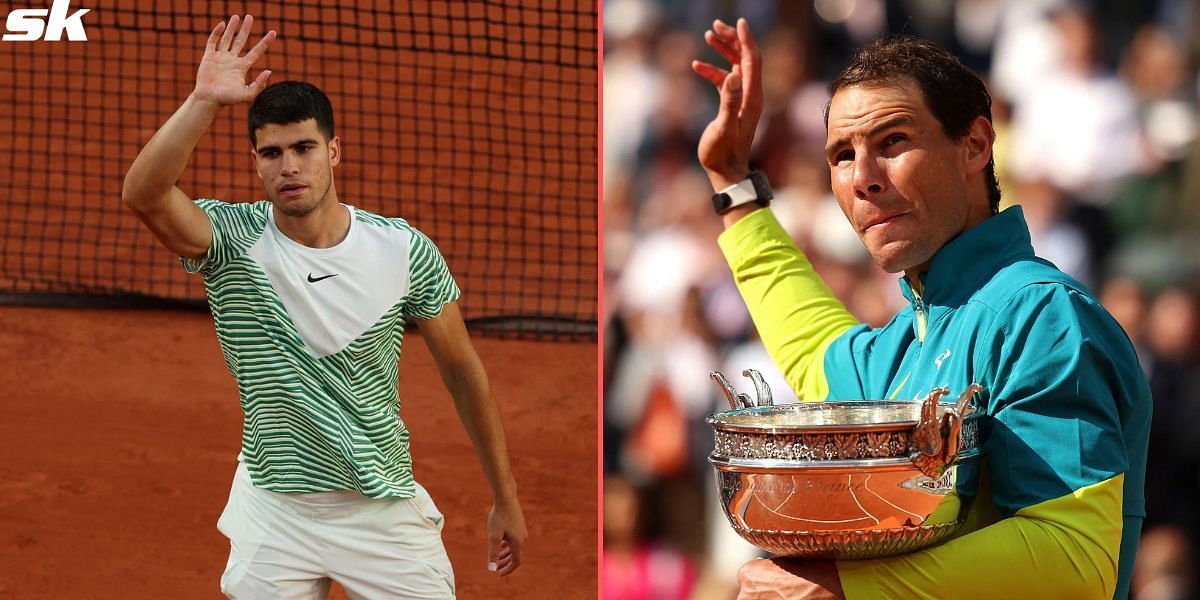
column 920, row 318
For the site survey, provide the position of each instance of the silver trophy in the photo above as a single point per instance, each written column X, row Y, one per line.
column 838, row 480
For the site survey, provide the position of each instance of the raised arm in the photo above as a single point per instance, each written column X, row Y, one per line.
column 797, row 316
column 150, row 190
column 467, row 382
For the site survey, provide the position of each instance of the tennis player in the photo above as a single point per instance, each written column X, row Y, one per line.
column 1059, row 493
column 309, row 297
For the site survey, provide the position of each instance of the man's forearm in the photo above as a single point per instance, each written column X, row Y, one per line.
column 162, row 161
column 477, row 410
column 1066, row 547
column 796, row 314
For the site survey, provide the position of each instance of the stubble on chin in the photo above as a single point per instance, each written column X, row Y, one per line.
column 296, row 211
column 894, row 259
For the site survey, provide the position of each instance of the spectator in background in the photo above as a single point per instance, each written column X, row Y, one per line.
column 1165, row 568
column 1077, row 128
column 1125, row 300
column 632, row 83
column 1055, row 237
column 1150, row 204
column 634, row 568
column 1172, row 489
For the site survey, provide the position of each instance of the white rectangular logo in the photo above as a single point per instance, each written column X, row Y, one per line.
column 29, row 24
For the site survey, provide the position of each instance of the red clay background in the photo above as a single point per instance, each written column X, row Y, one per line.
column 120, row 431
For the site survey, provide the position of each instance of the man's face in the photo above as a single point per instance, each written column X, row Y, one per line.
column 899, row 179
column 295, row 163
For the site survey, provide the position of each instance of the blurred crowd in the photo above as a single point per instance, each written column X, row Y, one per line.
column 1095, row 106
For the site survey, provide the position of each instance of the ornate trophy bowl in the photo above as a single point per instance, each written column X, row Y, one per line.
column 843, row 480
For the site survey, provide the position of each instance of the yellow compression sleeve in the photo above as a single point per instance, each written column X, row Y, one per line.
column 796, row 314
column 1066, row 547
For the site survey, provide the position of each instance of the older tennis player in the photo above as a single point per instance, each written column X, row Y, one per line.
column 1059, row 505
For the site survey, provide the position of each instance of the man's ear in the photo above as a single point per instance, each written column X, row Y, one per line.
column 335, row 151
column 254, row 161
column 979, row 141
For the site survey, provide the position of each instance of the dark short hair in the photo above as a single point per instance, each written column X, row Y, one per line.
column 955, row 94
column 290, row 102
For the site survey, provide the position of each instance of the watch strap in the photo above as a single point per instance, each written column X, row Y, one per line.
column 753, row 189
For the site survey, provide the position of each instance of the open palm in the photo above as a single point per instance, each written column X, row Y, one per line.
column 724, row 148
column 221, row 77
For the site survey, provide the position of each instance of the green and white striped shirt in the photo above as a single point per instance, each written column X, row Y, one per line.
column 312, row 337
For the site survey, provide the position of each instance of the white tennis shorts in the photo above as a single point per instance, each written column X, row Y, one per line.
column 293, row 545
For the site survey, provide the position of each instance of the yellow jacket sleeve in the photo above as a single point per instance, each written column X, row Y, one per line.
column 796, row 314
column 1069, row 545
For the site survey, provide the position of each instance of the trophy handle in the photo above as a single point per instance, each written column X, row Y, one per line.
column 735, row 399
column 927, row 436
column 760, row 386
column 937, row 439
column 963, row 405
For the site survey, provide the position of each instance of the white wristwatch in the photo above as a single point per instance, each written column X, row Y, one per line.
column 753, row 188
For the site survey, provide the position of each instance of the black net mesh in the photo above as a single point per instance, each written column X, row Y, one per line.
column 476, row 121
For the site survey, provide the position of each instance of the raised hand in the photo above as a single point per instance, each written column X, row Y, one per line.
column 724, row 149
column 221, row 77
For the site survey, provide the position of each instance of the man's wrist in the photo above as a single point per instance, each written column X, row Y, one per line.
column 723, row 180
column 755, row 191
column 208, row 105
column 506, row 497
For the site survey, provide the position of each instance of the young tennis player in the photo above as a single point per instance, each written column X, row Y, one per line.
column 310, row 298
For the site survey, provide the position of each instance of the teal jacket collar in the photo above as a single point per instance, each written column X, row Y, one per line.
column 968, row 261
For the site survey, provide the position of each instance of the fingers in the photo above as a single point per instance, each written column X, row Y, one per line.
column 751, row 62
column 731, row 96
column 745, row 39
column 723, row 47
column 229, row 37
column 259, row 82
column 517, row 548
column 724, row 30
column 724, row 40
column 504, row 556
column 714, row 74
column 230, row 30
column 211, row 46
column 508, row 559
column 240, row 41
column 494, row 548
column 737, row 45
column 729, row 85
column 260, row 47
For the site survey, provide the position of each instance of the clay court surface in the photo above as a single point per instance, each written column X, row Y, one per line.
column 120, row 432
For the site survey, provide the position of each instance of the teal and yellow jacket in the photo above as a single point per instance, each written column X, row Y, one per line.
column 1058, row 497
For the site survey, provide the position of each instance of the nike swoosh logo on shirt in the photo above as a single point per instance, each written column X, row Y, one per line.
column 312, row 279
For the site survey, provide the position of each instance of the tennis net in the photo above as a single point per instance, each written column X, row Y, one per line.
column 474, row 120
